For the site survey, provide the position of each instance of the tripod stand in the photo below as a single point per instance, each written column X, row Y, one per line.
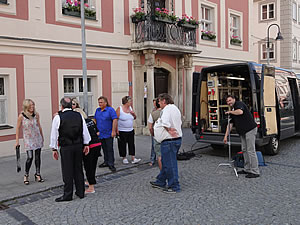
column 230, row 161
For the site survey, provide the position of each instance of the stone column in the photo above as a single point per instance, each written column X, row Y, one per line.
column 188, row 66
column 138, row 90
column 149, row 63
column 180, row 84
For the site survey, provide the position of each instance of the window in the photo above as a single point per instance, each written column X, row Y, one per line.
column 264, row 52
column 3, row 1
column 295, row 11
column 295, row 50
column 234, row 26
column 3, row 102
column 268, row 11
column 299, row 14
column 73, row 87
column 206, row 18
column 72, row 8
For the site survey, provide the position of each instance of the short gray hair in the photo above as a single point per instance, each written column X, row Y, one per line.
column 66, row 102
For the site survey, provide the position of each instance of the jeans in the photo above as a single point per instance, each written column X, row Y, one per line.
column 153, row 155
column 169, row 170
column 108, row 150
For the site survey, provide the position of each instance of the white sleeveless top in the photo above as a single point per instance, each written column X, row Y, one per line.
column 125, row 122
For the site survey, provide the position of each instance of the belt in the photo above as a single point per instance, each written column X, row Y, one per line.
column 172, row 139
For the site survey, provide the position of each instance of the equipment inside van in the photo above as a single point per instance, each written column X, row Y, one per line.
column 271, row 94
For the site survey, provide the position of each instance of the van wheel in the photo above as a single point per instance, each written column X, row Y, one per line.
column 216, row 147
column 272, row 148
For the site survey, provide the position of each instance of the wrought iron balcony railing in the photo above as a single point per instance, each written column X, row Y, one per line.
column 165, row 31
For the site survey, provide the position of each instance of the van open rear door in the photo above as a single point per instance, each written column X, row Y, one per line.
column 268, row 101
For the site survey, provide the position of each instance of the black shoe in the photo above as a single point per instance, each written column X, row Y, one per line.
column 62, row 199
column 79, row 196
column 242, row 172
column 155, row 185
column 112, row 168
column 103, row 165
column 169, row 191
column 252, row 175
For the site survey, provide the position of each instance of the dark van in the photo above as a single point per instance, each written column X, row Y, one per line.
column 271, row 94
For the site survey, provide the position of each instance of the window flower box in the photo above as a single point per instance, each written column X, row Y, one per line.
column 3, row 2
column 188, row 22
column 138, row 16
column 208, row 35
column 235, row 40
column 163, row 19
column 74, row 8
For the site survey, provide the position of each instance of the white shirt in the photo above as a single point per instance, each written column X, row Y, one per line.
column 171, row 118
column 55, row 134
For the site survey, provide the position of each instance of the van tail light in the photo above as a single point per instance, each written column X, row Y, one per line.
column 196, row 119
column 256, row 118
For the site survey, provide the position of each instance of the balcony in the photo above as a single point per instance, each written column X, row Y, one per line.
column 164, row 35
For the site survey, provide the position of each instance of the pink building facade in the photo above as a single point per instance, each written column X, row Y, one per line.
column 40, row 54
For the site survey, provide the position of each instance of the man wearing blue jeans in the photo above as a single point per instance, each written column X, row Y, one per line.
column 107, row 121
column 171, row 121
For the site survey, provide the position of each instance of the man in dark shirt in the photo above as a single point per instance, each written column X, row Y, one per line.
column 247, row 129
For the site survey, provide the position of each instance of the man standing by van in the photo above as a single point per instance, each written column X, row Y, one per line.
column 247, row 129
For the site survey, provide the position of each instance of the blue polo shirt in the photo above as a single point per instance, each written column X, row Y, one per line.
column 104, row 121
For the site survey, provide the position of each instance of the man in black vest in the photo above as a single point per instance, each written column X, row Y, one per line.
column 70, row 133
column 247, row 129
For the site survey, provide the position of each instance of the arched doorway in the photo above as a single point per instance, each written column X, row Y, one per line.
column 161, row 81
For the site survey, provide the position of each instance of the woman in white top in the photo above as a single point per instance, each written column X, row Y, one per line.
column 125, row 130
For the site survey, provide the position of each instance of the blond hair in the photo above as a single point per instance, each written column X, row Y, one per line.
column 76, row 102
column 26, row 105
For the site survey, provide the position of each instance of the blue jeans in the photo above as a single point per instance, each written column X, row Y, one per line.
column 153, row 155
column 169, row 170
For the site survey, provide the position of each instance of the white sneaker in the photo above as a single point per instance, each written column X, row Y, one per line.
column 125, row 161
column 135, row 160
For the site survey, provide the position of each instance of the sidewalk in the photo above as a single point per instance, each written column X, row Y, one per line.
column 12, row 185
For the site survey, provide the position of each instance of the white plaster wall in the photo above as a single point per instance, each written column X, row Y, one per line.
column 119, row 81
column 37, row 88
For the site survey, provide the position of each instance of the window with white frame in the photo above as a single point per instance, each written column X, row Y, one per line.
column 72, row 7
column 294, row 50
column 268, row 11
column 299, row 14
column 73, row 87
column 206, row 18
column 264, row 52
column 3, row 101
column 295, row 11
column 299, row 50
column 235, row 26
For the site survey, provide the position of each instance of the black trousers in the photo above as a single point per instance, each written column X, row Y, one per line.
column 90, row 164
column 71, row 165
column 108, row 150
column 37, row 161
column 126, row 137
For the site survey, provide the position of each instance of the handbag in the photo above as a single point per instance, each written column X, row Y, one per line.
column 160, row 133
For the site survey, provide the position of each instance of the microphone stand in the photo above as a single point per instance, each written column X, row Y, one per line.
column 230, row 161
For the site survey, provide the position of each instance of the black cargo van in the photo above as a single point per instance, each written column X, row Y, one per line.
column 271, row 94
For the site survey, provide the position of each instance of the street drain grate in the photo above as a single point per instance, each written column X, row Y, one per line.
column 3, row 207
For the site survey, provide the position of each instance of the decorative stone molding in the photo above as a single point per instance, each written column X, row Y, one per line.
column 188, row 61
column 181, row 63
column 136, row 59
column 149, row 58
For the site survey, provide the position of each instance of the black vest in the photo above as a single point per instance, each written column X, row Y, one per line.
column 70, row 129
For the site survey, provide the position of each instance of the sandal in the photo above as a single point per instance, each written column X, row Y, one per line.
column 26, row 179
column 38, row 178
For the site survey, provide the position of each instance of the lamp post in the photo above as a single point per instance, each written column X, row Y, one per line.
column 278, row 38
column 84, row 67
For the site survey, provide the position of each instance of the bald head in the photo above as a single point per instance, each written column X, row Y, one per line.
column 66, row 102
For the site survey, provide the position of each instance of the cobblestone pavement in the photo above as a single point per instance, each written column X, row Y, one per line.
column 207, row 196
